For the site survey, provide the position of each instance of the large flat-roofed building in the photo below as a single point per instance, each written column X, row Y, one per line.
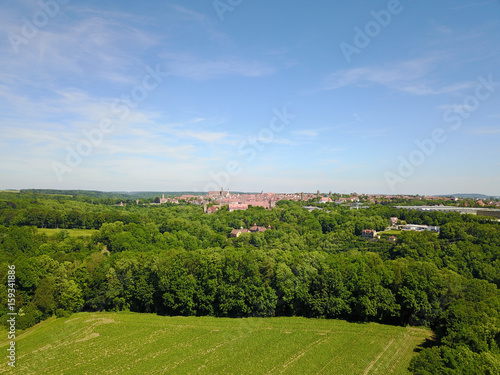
column 492, row 212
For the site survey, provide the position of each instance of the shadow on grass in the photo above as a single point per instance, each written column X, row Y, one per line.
column 428, row 343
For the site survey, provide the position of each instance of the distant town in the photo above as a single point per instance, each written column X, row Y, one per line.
column 214, row 200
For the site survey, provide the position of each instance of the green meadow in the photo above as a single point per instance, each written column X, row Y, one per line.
column 71, row 232
column 131, row 343
column 392, row 232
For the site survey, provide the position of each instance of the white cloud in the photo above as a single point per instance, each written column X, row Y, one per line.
column 485, row 131
column 189, row 66
column 279, row 141
column 204, row 136
column 409, row 76
column 330, row 161
column 305, row 133
column 89, row 47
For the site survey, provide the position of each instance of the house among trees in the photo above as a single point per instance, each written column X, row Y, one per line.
column 369, row 233
column 211, row 209
column 238, row 232
column 254, row 229
column 421, row 228
column 237, row 206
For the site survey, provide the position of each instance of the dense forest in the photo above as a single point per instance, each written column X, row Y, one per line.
column 176, row 260
column 117, row 195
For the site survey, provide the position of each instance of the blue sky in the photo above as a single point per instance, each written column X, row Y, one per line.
column 285, row 96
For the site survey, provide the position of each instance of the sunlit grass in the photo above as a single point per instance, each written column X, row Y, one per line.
column 71, row 232
column 129, row 343
column 392, row 232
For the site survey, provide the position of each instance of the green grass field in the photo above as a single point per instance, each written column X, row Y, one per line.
column 392, row 232
column 72, row 232
column 130, row 343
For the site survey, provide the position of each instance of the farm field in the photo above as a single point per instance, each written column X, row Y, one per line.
column 72, row 232
column 131, row 343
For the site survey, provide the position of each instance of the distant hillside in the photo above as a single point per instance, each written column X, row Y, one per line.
column 109, row 194
column 470, row 196
column 117, row 194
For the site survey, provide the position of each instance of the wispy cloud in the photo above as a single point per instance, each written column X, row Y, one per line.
column 485, row 131
column 409, row 76
column 313, row 133
column 348, row 168
column 204, row 136
column 90, row 47
column 330, row 161
column 306, row 133
column 475, row 4
column 336, row 149
column 202, row 21
column 279, row 141
column 189, row 66
column 148, row 148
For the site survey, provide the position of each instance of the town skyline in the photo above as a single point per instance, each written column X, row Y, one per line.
column 262, row 191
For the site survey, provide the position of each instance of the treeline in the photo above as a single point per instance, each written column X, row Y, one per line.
column 175, row 260
column 118, row 195
column 238, row 283
column 45, row 217
column 61, row 212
